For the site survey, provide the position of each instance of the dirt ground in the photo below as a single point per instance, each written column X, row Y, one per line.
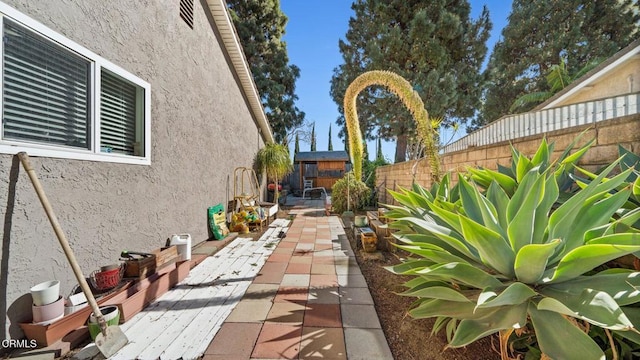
column 411, row 339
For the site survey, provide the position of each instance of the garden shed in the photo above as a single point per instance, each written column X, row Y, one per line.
column 324, row 168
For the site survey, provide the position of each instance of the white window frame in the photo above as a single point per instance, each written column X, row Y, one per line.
column 10, row 146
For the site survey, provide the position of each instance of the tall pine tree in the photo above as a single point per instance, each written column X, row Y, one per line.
column 297, row 145
column 543, row 33
column 379, row 156
column 433, row 44
column 330, row 148
column 260, row 25
column 313, row 137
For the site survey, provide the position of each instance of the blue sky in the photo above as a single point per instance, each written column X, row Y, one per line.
column 312, row 36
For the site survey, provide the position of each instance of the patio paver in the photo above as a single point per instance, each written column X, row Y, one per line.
column 301, row 297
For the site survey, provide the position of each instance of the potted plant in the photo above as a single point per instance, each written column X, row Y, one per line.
column 275, row 161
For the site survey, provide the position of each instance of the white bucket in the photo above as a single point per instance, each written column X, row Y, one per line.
column 183, row 244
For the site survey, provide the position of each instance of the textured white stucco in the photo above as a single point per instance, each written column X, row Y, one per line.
column 201, row 130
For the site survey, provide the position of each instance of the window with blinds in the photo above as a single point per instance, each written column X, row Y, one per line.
column 45, row 90
column 62, row 100
column 119, row 114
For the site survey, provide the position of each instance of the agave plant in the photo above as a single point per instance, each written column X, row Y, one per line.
column 494, row 261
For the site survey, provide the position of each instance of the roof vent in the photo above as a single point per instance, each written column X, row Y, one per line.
column 186, row 12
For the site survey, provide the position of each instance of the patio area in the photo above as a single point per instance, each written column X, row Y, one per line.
column 295, row 293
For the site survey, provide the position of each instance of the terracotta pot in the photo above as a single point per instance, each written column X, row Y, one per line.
column 46, row 293
column 48, row 313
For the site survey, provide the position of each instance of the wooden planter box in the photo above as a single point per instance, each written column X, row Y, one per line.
column 130, row 299
column 133, row 304
column 46, row 335
column 142, row 268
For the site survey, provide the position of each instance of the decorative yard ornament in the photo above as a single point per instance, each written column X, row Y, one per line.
column 403, row 89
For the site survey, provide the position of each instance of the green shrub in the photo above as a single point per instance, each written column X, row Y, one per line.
column 513, row 256
column 358, row 194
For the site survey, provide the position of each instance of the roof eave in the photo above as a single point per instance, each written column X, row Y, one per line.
column 589, row 78
column 240, row 65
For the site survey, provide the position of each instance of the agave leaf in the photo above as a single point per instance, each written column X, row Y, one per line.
column 587, row 257
column 419, row 189
column 506, row 171
column 403, row 198
column 443, row 188
column 461, row 273
column 458, row 310
column 541, row 157
column 524, row 166
column 469, row 201
column 633, row 313
column 531, row 261
column 560, row 339
column 492, row 247
column 420, row 201
column 471, row 330
column 437, row 292
column 594, row 214
column 450, row 218
column 498, row 197
column 420, row 281
column 623, row 285
column 486, row 176
column 629, row 161
column 573, row 158
column 618, row 239
column 447, row 235
column 455, row 248
column 596, row 307
column 561, row 222
column 541, row 222
column 437, row 256
column 409, row 266
column 439, row 324
column 623, row 224
column 521, row 193
column 521, row 227
column 515, row 294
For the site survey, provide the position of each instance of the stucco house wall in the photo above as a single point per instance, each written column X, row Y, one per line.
column 201, row 130
column 624, row 79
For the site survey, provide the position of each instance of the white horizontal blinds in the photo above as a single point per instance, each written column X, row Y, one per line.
column 45, row 90
column 118, row 114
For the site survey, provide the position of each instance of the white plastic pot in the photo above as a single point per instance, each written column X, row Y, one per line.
column 111, row 317
column 49, row 312
column 45, row 293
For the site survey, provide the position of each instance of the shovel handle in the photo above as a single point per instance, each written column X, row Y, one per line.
column 26, row 163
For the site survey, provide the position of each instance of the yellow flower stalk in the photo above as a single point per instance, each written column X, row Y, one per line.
column 403, row 89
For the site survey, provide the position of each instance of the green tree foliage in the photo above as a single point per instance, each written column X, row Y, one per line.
column 379, row 155
column 275, row 160
column 297, row 145
column 330, row 148
column 540, row 33
column 313, row 137
column 260, row 25
column 433, row 44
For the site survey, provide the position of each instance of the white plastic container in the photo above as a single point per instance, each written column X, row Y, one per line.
column 45, row 293
column 183, row 244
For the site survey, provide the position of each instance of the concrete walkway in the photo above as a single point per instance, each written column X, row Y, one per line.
column 299, row 296
column 309, row 300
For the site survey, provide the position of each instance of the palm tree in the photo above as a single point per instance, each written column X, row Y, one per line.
column 558, row 78
column 274, row 159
